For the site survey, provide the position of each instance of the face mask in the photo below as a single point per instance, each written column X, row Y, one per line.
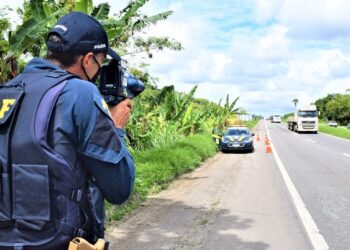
column 95, row 77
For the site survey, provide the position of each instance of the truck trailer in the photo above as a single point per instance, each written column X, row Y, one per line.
column 305, row 119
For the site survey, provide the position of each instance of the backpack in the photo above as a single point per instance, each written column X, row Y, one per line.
column 40, row 192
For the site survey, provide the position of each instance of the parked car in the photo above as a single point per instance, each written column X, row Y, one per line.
column 237, row 139
column 332, row 124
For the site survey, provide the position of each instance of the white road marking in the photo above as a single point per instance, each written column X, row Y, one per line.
column 311, row 141
column 317, row 240
column 346, row 154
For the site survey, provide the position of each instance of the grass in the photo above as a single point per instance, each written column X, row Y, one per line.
column 251, row 124
column 339, row 131
column 157, row 167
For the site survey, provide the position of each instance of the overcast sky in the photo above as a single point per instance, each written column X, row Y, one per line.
column 267, row 52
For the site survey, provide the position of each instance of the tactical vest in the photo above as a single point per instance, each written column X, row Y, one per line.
column 40, row 192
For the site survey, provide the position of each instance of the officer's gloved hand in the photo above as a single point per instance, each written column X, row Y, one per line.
column 121, row 113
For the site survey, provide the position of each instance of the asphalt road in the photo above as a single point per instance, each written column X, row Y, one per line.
column 319, row 166
column 234, row 201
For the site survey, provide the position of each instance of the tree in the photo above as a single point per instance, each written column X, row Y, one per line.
column 38, row 17
column 339, row 109
column 224, row 115
column 295, row 101
column 321, row 105
column 4, row 45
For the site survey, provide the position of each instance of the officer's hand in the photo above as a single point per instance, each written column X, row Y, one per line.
column 121, row 113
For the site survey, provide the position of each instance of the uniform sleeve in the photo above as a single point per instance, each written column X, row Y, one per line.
column 115, row 182
column 101, row 146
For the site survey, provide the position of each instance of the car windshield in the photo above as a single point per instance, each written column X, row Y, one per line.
column 239, row 132
column 307, row 113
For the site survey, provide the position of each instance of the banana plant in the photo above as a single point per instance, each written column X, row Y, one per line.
column 39, row 16
column 224, row 114
column 184, row 102
column 4, row 25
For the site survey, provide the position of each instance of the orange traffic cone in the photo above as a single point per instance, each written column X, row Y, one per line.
column 267, row 142
column 268, row 149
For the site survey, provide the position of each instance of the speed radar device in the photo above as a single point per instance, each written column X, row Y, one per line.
column 116, row 84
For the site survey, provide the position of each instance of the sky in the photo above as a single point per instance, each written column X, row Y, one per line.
column 267, row 52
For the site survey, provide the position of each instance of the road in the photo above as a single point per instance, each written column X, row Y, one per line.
column 234, row 201
column 319, row 166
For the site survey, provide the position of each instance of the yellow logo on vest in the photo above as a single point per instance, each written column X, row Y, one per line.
column 105, row 107
column 6, row 104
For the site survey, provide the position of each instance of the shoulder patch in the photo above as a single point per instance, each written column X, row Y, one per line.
column 104, row 134
column 8, row 103
column 102, row 105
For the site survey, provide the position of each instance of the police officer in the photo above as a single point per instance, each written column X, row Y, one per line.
column 84, row 137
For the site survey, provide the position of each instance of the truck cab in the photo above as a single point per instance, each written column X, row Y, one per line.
column 304, row 120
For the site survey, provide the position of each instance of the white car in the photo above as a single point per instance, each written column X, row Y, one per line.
column 332, row 124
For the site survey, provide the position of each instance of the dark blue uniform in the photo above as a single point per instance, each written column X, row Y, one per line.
column 83, row 132
column 60, row 153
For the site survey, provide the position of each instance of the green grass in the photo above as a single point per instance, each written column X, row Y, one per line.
column 339, row 131
column 251, row 124
column 156, row 168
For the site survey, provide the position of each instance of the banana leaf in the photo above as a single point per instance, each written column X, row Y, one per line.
column 85, row 6
column 101, row 11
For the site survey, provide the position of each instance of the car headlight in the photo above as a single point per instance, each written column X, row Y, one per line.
column 248, row 140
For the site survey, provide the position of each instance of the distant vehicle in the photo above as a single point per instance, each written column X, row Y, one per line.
column 237, row 139
column 276, row 118
column 304, row 120
column 332, row 124
column 268, row 117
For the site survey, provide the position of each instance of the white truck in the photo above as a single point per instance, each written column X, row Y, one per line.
column 276, row 118
column 305, row 119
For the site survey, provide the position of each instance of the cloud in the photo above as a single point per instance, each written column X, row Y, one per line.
column 266, row 52
column 252, row 66
column 309, row 19
column 338, row 64
column 266, row 10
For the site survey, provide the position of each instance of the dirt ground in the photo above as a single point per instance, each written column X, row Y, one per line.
column 233, row 201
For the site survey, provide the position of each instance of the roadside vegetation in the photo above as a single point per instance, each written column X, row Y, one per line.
column 335, row 107
column 285, row 117
column 340, row 131
column 251, row 124
column 169, row 132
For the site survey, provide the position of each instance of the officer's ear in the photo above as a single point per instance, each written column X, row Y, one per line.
column 87, row 59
